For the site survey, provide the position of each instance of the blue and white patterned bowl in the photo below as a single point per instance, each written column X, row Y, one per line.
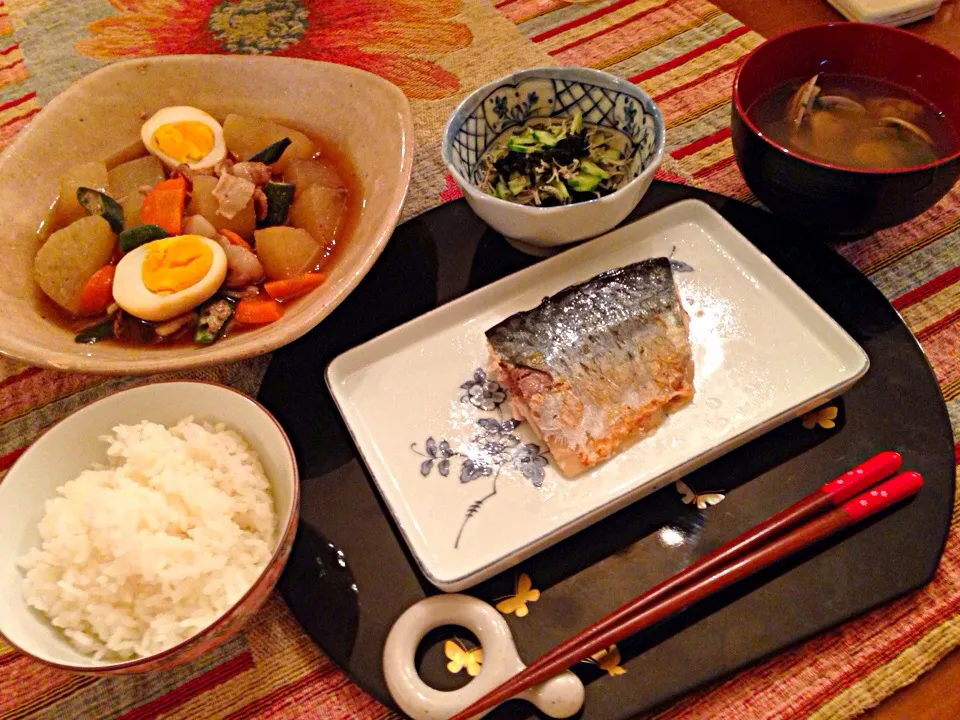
column 554, row 92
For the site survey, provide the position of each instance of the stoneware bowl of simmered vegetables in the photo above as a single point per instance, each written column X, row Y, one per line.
column 186, row 211
column 550, row 156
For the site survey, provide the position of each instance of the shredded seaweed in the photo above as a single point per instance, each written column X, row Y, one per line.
column 552, row 163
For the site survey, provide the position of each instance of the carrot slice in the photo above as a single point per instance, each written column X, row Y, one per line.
column 257, row 311
column 164, row 205
column 291, row 287
column 97, row 294
column 235, row 239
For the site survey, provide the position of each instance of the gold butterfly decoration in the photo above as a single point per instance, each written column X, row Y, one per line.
column 608, row 660
column 825, row 417
column 460, row 657
column 524, row 593
column 700, row 500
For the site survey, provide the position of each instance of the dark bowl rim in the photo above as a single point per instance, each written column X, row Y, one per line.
column 742, row 113
column 145, row 663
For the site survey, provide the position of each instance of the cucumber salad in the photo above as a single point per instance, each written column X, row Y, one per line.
column 553, row 162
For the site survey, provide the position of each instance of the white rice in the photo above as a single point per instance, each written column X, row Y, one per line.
column 141, row 555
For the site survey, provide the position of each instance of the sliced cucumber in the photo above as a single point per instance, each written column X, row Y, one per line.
column 576, row 124
column 519, row 144
column 518, row 183
column 583, row 182
column 545, row 138
column 592, row 169
column 558, row 190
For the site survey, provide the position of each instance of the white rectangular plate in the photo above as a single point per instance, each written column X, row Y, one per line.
column 764, row 353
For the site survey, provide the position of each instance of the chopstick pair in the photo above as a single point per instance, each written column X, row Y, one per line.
column 838, row 504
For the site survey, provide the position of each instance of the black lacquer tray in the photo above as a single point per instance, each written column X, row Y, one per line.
column 350, row 575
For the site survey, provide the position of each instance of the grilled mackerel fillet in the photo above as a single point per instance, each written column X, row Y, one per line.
column 598, row 365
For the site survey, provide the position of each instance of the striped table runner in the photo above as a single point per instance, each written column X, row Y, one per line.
column 683, row 53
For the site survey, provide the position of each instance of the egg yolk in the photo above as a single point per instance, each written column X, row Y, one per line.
column 175, row 264
column 184, row 141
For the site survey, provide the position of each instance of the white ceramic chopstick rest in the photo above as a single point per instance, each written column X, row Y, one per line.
column 559, row 697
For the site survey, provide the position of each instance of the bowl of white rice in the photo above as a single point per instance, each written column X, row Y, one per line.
column 145, row 528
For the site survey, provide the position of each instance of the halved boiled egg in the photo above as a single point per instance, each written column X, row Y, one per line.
column 165, row 278
column 184, row 135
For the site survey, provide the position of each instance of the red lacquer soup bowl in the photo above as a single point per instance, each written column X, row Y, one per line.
column 827, row 197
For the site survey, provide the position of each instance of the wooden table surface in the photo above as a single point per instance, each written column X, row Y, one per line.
column 934, row 696
column 770, row 17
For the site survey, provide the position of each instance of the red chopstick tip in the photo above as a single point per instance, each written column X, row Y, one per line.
column 888, row 493
column 891, row 456
column 807, row 521
column 863, row 476
column 906, row 483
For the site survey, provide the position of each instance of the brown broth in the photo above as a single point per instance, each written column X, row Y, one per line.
column 853, row 139
column 50, row 311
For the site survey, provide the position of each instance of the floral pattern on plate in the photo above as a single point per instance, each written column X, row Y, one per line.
column 493, row 449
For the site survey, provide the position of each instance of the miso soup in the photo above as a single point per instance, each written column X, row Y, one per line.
column 855, row 122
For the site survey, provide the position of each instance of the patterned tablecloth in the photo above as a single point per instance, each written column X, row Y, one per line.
column 682, row 52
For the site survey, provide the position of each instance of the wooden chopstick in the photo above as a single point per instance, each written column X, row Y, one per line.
column 813, row 518
column 824, row 498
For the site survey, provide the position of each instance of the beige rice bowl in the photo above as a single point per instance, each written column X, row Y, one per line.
column 144, row 553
